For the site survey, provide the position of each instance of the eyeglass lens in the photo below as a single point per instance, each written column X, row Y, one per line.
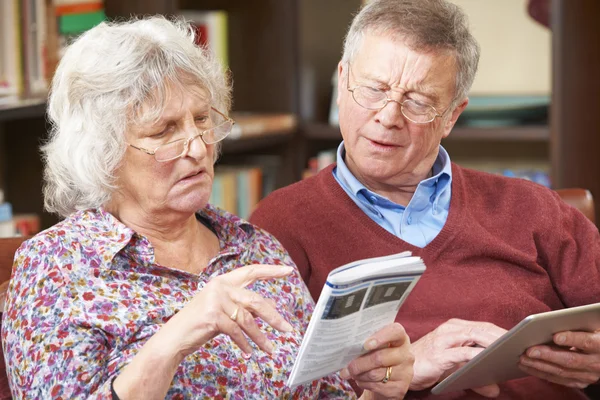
column 221, row 127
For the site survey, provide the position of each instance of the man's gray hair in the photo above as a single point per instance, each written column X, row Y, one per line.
column 100, row 86
column 425, row 25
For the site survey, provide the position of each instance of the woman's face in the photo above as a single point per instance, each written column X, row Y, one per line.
column 181, row 186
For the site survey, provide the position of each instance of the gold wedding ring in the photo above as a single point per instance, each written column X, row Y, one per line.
column 235, row 314
column 388, row 375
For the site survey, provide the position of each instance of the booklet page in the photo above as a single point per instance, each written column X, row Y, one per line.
column 346, row 315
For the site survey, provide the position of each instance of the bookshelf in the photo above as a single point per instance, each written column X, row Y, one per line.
column 262, row 60
column 283, row 53
column 21, row 109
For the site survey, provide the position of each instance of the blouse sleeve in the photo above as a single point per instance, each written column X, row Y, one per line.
column 48, row 355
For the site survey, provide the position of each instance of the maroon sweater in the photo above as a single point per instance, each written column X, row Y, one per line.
column 509, row 248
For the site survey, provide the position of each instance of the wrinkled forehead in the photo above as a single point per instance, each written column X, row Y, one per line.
column 390, row 58
column 397, row 43
column 170, row 95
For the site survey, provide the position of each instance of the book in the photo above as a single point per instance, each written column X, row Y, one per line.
column 257, row 124
column 357, row 300
column 237, row 188
column 211, row 31
column 34, row 47
column 11, row 73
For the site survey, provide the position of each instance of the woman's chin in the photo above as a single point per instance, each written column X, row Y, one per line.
column 189, row 204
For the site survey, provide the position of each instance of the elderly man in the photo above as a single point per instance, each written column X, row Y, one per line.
column 497, row 249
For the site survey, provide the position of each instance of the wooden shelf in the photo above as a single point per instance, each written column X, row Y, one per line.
column 252, row 143
column 21, row 109
column 525, row 133
column 36, row 107
column 321, row 131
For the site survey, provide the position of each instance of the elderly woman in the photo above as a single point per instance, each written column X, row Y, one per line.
column 145, row 291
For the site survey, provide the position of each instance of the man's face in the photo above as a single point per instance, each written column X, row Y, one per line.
column 384, row 150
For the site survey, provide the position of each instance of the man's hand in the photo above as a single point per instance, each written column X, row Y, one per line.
column 443, row 350
column 576, row 363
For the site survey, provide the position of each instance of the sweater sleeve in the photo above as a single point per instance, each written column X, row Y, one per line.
column 570, row 249
column 48, row 356
column 271, row 215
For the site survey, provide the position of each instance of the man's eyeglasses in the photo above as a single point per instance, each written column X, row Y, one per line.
column 221, row 126
column 375, row 99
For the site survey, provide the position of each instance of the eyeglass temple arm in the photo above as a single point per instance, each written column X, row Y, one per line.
column 142, row 149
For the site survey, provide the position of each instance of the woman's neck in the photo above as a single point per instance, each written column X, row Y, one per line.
column 180, row 242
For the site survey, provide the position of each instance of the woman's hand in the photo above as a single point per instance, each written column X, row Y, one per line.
column 225, row 306
column 222, row 306
column 386, row 370
column 576, row 363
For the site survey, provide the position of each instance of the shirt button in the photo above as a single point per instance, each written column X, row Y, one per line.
column 373, row 199
column 409, row 219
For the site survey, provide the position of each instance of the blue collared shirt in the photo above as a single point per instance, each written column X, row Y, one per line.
column 424, row 217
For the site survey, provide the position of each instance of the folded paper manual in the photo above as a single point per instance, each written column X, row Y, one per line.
column 357, row 300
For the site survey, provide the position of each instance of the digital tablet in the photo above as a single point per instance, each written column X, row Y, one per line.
column 498, row 362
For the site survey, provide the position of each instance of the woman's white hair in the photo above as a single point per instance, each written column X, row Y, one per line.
column 424, row 25
column 98, row 90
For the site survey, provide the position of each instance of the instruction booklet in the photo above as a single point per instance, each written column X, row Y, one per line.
column 357, row 300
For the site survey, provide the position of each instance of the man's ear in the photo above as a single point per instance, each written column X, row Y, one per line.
column 449, row 124
column 342, row 75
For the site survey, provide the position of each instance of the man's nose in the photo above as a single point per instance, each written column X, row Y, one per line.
column 391, row 114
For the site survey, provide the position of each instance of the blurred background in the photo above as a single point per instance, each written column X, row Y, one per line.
column 534, row 109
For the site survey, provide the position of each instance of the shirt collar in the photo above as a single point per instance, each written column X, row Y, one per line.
column 108, row 235
column 441, row 170
column 441, row 178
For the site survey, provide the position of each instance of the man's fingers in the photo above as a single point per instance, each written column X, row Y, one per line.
column 458, row 332
column 460, row 355
column 249, row 274
column 586, row 341
column 562, row 358
column 580, row 371
column 553, row 378
column 451, row 358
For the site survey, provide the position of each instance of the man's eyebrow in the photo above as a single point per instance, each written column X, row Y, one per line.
column 366, row 76
column 427, row 92
column 417, row 88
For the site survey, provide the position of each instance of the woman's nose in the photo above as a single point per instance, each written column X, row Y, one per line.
column 196, row 147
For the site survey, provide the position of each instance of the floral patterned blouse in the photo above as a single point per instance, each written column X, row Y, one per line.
column 87, row 294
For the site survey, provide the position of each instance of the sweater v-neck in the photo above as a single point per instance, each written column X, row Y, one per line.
column 330, row 187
